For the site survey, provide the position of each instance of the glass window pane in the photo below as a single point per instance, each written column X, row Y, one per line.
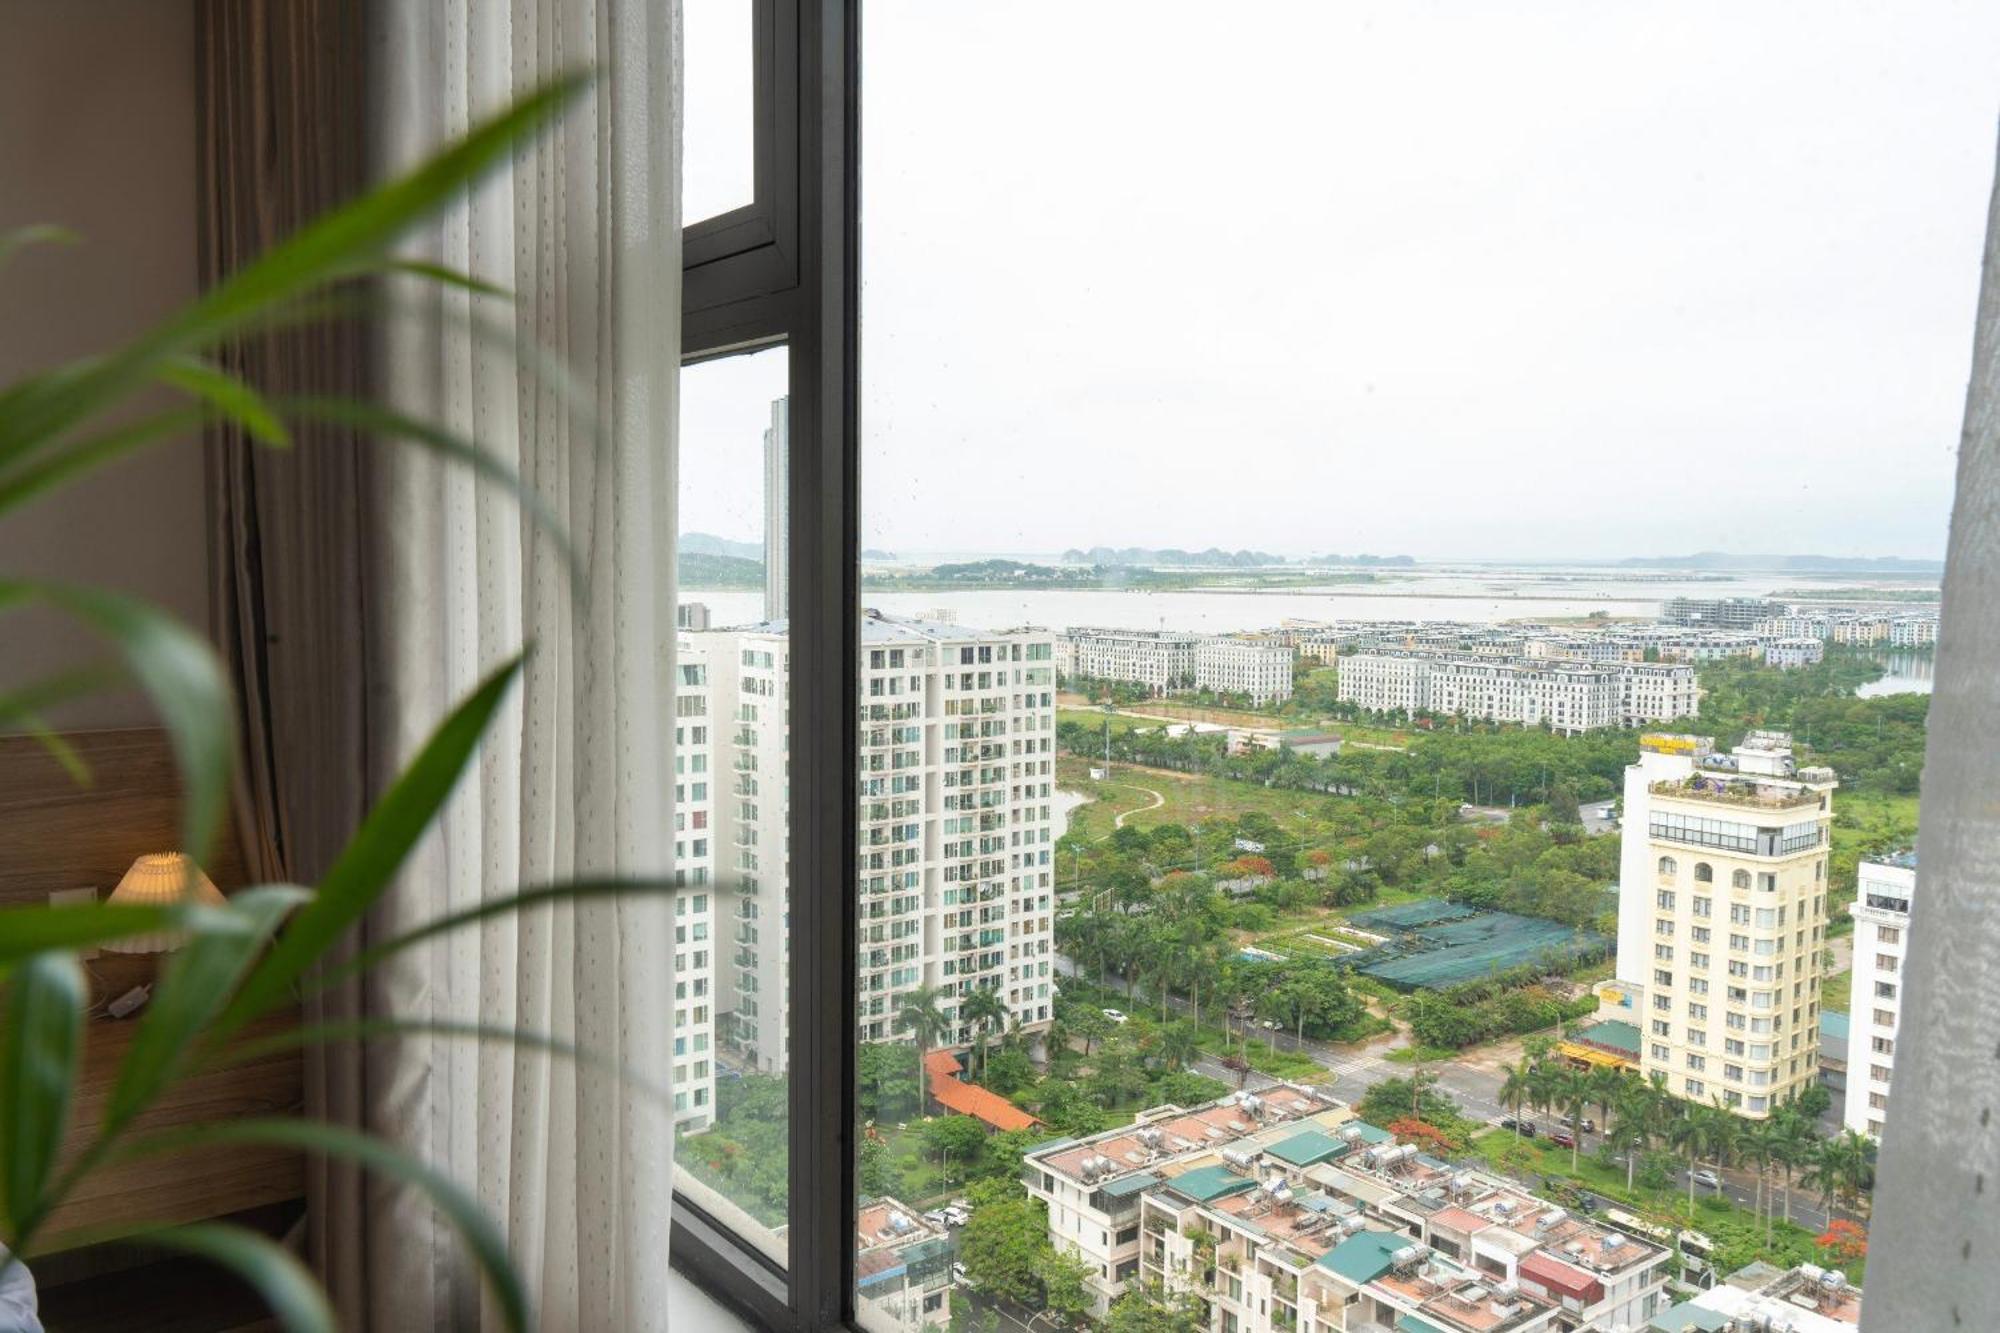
column 732, row 973
column 719, row 144
column 1347, row 425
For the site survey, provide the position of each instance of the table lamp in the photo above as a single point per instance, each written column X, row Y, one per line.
column 160, row 879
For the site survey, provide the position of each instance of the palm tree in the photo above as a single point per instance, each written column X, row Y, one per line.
column 1638, row 1114
column 920, row 1016
column 1573, row 1091
column 985, row 1008
column 1178, row 1045
column 1723, row 1134
column 1688, row 1133
column 1607, row 1085
column 1515, row 1092
column 1842, row 1168
column 1758, row 1143
column 1797, row 1142
column 1543, row 1082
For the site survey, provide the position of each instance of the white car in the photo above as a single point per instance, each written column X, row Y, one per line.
column 1707, row 1179
column 1117, row 1016
column 958, row 1217
column 958, row 1275
column 935, row 1217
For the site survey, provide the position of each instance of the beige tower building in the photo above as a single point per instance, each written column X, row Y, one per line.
column 1722, row 916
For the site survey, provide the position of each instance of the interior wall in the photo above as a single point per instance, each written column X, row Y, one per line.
column 97, row 133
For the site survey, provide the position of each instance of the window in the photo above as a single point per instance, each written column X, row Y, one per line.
column 1667, row 866
column 1704, row 873
column 766, row 400
column 1739, row 879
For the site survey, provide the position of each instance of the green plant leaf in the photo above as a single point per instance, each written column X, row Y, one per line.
column 199, row 981
column 320, row 1034
column 449, row 277
column 41, row 233
column 37, row 413
column 228, row 395
column 186, row 682
column 381, row 421
column 21, row 709
column 24, row 483
column 288, row 1289
column 29, row 930
column 482, row 1238
column 39, row 1049
column 377, row 850
column 486, row 908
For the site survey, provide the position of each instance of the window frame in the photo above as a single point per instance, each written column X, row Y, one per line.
column 784, row 270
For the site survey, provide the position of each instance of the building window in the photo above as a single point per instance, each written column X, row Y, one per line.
column 1704, row 873
column 1667, row 866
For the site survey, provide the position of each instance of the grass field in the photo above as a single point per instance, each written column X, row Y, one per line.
column 1189, row 799
column 1836, row 992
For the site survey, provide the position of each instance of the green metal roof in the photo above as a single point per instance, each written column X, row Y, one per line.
column 1307, row 1147
column 1611, row 1032
column 1687, row 1317
column 1369, row 1133
column 1126, row 1186
column 1207, row 1183
column 1834, row 1024
column 1364, row 1256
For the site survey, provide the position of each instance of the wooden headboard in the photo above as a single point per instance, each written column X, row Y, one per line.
column 55, row 834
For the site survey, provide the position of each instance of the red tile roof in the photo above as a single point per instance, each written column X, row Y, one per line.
column 970, row 1099
column 1561, row 1279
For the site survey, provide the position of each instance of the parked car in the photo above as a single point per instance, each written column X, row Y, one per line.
column 1562, row 1138
column 1589, row 1125
column 935, row 1217
column 958, row 1275
column 1269, row 1025
column 1117, row 1016
column 963, row 1205
column 958, row 1217
column 1527, row 1127
column 1707, row 1179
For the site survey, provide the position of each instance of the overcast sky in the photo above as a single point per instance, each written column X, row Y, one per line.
column 1454, row 279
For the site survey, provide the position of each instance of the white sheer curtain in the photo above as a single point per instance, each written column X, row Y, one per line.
column 585, row 232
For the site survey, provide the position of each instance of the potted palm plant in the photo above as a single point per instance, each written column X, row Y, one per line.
column 250, row 958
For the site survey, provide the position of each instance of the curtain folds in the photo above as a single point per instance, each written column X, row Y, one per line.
column 280, row 98
column 585, row 232
column 363, row 589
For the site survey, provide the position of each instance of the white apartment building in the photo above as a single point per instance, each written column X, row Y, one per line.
column 1881, row 911
column 695, row 918
column 1158, row 659
column 777, row 510
column 1796, row 625
column 1566, row 697
column 1656, row 692
column 1722, row 916
column 1789, row 653
column 1385, row 682
column 1260, row 668
column 1913, row 631
column 956, row 823
column 1284, row 1214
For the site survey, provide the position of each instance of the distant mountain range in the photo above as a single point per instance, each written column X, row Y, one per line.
column 720, row 572
column 706, row 543
column 1172, row 557
column 1789, row 564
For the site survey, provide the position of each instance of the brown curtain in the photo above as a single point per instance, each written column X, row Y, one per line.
column 280, row 121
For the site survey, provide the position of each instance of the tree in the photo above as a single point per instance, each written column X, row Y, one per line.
column 1843, row 1168
column 1066, row 1285
column 920, row 1016
column 985, row 1010
column 954, row 1139
column 1516, row 1090
column 1572, row 1094
column 1005, row 1247
column 1687, row 1134
column 1845, row 1242
column 1179, row 1043
column 1150, row 1310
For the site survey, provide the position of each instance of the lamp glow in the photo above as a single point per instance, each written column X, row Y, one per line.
column 161, row 879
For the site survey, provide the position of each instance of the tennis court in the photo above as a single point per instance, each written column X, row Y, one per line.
column 1434, row 944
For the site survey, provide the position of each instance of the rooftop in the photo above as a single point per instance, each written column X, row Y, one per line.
column 1727, row 789
column 970, row 1099
column 1364, row 1256
column 1167, row 1133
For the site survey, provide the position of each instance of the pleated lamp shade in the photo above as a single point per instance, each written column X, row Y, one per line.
column 159, row 880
